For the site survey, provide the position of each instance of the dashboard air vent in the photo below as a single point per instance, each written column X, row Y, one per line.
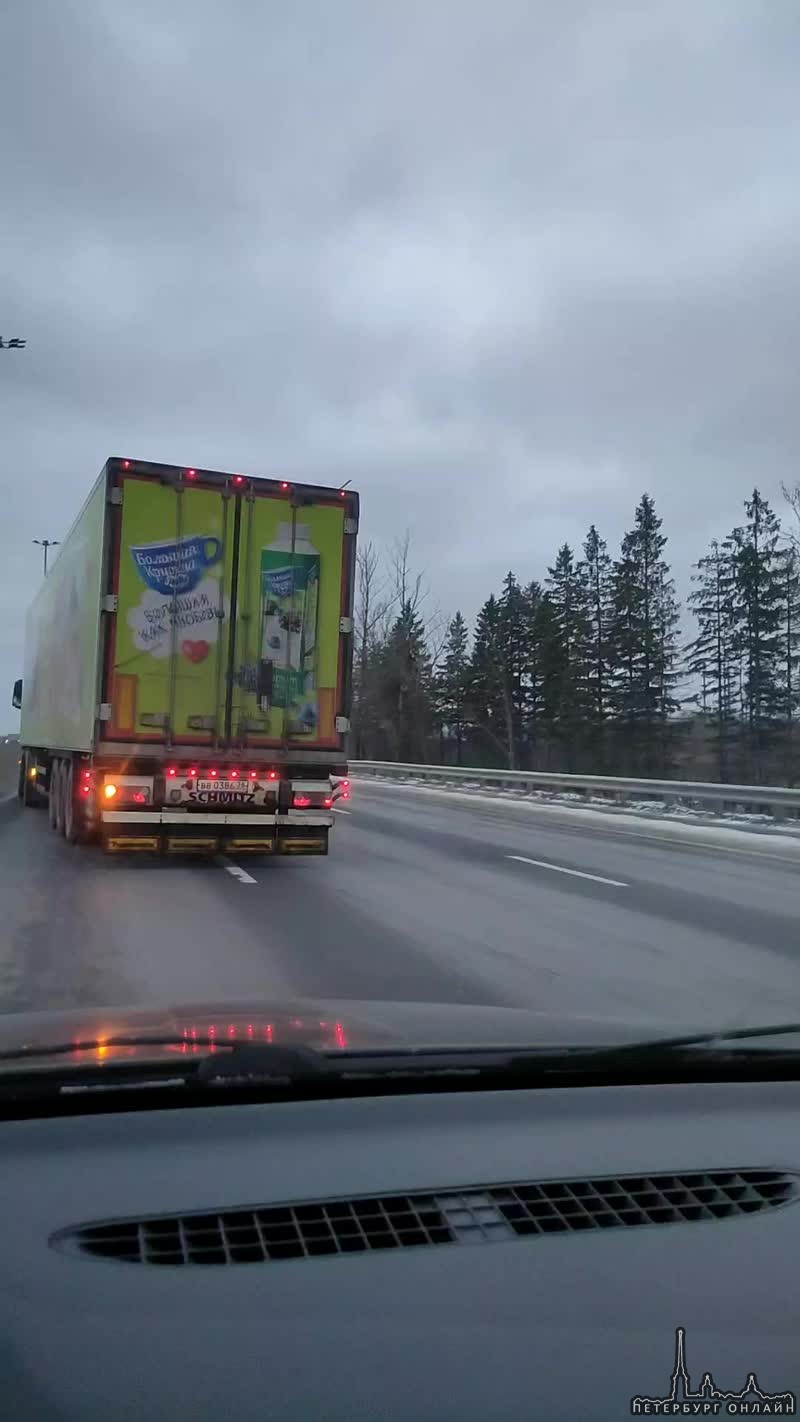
column 476, row 1215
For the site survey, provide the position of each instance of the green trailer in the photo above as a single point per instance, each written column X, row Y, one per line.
column 188, row 664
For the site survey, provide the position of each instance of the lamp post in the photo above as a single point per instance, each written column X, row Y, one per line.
column 44, row 544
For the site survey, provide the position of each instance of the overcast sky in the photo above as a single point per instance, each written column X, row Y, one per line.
column 503, row 263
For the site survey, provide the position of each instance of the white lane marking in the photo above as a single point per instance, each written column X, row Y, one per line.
column 240, row 874
column 559, row 869
column 342, row 812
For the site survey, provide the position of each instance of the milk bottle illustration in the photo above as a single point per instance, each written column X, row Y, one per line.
column 290, row 605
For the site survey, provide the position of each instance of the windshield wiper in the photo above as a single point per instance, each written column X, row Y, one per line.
column 718, row 1037
column 207, row 1062
column 271, row 1059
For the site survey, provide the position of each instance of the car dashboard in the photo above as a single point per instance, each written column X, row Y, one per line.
column 519, row 1253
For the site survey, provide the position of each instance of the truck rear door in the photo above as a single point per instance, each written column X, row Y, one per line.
column 168, row 649
column 232, row 619
column 293, row 583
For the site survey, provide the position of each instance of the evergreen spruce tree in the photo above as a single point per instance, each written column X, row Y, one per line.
column 595, row 572
column 758, row 607
column 453, row 686
column 406, row 692
column 644, row 633
column 713, row 654
column 569, row 664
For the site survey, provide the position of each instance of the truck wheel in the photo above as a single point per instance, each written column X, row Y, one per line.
column 74, row 818
column 70, row 819
column 52, row 797
column 60, row 798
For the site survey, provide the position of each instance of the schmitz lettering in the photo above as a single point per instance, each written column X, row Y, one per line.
column 222, row 797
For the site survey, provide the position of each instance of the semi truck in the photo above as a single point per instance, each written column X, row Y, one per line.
column 188, row 663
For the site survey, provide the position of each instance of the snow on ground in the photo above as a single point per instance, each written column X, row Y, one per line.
column 747, row 830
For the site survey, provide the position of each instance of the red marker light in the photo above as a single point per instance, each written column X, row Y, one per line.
column 284, row 484
column 238, row 478
column 172, row 771
column 87, row 774
column 346, row 795
column 140, row 797
column 254, row 775
column 191, row 473
column 302, row 802
column 273, row 775
column 87, row 789
column 327, row 804
column 126, row 464
column 342, row 493
column 345, row 784
column 234, row 775
column 213, row 774
column 193, row 773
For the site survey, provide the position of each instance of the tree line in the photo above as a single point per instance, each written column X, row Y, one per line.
column 585, row 670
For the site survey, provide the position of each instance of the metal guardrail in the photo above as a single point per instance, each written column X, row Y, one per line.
column 780, row 802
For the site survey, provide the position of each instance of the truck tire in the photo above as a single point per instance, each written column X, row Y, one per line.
column 52, row 796
column 59, row 825
column 75, row 831
column 70, row 816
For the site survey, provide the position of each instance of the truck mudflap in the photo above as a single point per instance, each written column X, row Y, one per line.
column 174, row 832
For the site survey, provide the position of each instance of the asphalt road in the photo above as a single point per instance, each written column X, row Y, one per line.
column 421, row 899
column 9, row 756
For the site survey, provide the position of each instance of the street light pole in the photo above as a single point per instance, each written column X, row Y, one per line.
column 44, row 544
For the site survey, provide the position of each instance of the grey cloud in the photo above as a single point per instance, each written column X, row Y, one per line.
column 505, row 265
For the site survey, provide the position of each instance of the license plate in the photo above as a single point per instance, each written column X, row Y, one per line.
column 206, row 785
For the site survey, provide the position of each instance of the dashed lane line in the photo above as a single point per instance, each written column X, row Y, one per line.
column 560, row 869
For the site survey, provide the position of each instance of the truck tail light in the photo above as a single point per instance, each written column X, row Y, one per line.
column 327, row 804
column 109, row 791
column 302, row 802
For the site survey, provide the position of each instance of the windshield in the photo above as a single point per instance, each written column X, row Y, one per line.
column 400, row 570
